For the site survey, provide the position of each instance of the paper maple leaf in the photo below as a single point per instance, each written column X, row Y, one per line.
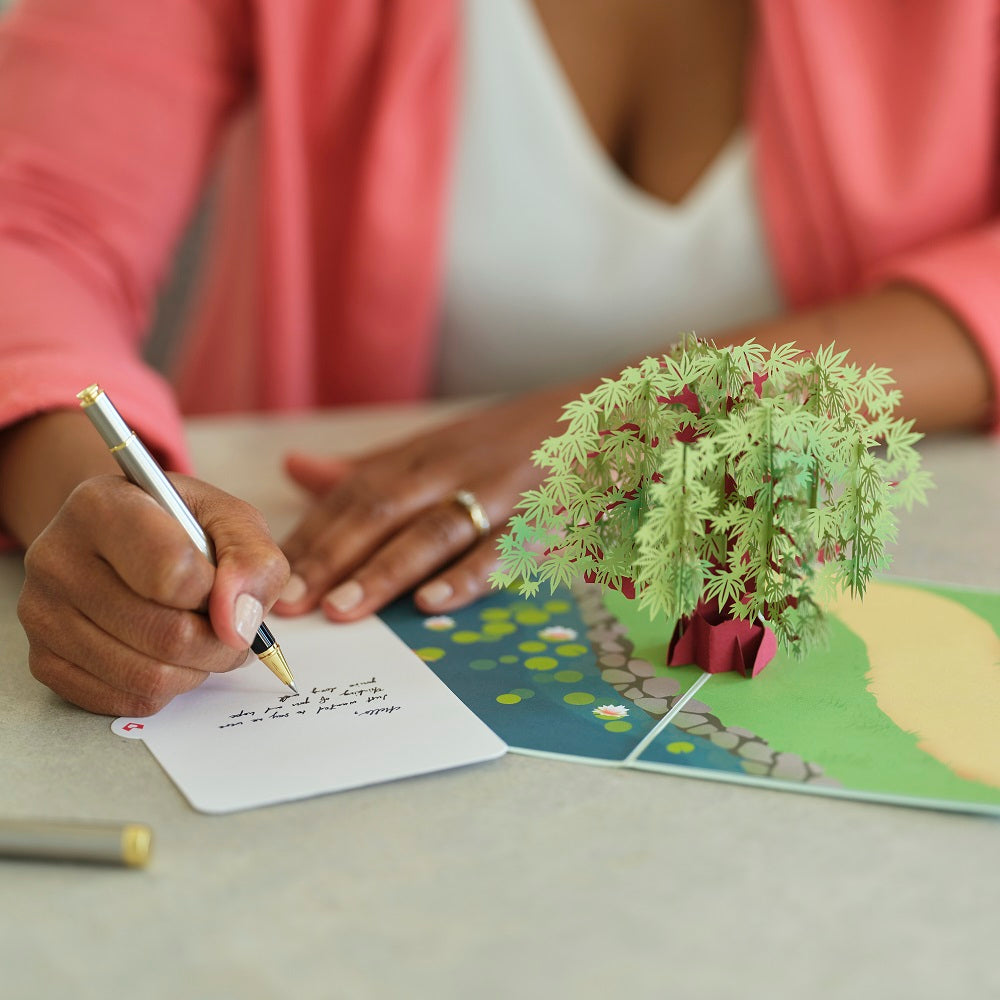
column 722, row 474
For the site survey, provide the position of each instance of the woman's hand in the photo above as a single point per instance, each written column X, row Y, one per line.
column 385, row 523
column 122, row 613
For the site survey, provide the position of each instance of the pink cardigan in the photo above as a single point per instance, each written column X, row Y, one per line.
column 875, row 127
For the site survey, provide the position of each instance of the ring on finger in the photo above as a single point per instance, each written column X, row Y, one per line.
column 477, row 513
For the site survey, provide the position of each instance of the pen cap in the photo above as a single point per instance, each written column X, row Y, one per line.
column 109, row 422
column 126, row 844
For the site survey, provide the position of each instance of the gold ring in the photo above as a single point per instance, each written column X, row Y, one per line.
column 475, row 510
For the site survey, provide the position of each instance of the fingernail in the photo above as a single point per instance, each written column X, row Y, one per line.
column 249, row 613
column 347, row 596
column 435, row 593
column 294, row 590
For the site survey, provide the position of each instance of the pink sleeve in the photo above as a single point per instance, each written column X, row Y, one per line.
column 109, row 113
column 964, row 274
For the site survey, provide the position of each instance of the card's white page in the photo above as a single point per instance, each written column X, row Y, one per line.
column 369, row 711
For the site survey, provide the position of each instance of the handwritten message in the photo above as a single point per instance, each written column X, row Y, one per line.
column 366, row 697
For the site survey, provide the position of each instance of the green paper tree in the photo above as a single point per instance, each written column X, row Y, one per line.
column 758, row 479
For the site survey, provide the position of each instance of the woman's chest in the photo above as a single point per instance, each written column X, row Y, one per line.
column 661, row 85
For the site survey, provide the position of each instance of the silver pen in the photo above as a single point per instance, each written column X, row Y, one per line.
column 143, row 470
column 102, row 843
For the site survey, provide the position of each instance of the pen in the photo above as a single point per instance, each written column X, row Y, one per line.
column 142, row 469
column 105, row 843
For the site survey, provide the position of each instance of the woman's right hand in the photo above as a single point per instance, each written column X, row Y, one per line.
column 122, row 613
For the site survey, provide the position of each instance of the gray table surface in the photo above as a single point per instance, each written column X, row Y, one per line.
column 519, row 878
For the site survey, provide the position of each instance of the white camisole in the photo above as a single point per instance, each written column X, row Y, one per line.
column 556, row 265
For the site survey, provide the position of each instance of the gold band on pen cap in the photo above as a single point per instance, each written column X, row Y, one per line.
column 137, row 845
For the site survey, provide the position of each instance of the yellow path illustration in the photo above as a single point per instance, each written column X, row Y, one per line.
column 935, row 671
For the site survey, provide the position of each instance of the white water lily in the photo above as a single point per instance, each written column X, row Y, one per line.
column 557, row 633
column 439, row 623
column 611, row 711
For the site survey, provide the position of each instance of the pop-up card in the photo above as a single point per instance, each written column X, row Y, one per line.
column 899, row 704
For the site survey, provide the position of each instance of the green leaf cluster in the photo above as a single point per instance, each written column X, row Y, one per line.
column 759, row 478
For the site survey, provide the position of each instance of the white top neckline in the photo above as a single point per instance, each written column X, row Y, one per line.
column 594, row 157
column 556, row 264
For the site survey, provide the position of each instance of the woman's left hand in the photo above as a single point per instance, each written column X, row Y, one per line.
column 388, row 522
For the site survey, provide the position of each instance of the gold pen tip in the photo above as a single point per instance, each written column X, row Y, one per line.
column 275, row 661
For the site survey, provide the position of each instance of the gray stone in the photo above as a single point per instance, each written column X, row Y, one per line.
column 751, row 767
column 756, row 751
column 655, row 706
column 612, row 659
column 687, row 720
column 725, row 739
column 617, row 677
column 745, row 733
column 660, row 687
column 633, row 694
column 641, row 668
column 705, row 729
column 697, row 706
column 789, row 766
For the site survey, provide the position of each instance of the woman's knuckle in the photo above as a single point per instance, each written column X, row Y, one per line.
column 243, row 516
column 152, row 684
column 184, row 637
column 30, row 611
column 363, row 495
column 140, row 706
column 228, row 660
column 439, row 529
column 385, row 572
column 42, row 666
column 256, row 519
column 323, row 553
column 270, row 565
column 170, row 637
column 33, row 558
column 464, row 580
column 89, row 496
column 175, row 578
column 42, row 560
column 485, row 558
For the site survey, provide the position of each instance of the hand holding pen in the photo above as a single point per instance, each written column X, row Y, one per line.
column 143, row 470
column 115, row 592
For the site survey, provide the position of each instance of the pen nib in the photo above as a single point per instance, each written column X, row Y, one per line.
column 275, row 661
